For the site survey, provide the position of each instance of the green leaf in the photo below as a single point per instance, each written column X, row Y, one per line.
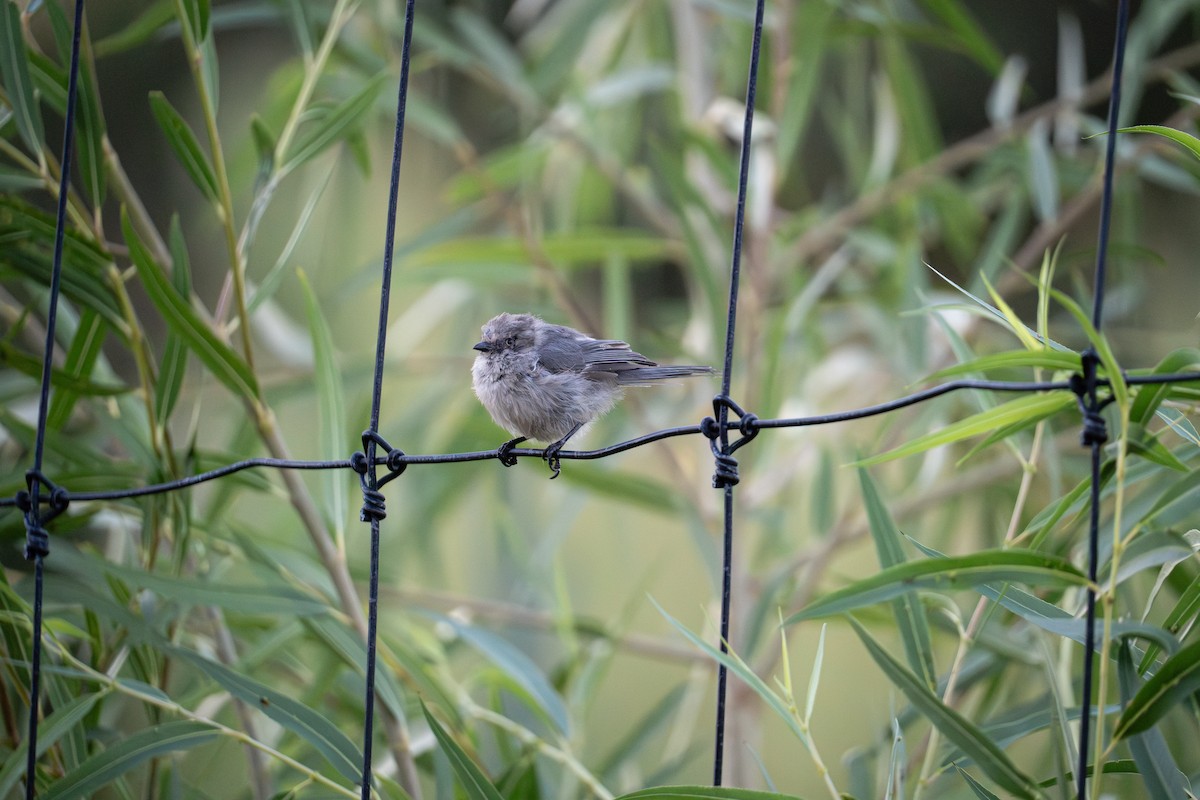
column 739, row 667
column 225, row 364
column 907, row 608
column 469, row 775
column 1186, row 139
column 1029, row 408
column 518, row 666
column 978, row 788
column 330, row 402
column 109, row 764
column 334, row 123
column 86, row 346
column 703, row 793
column 1112, row 370
column 198, row 14
column 149, row 22
column 955, row 572
column 173, row 367
column 1183, row 611
column 50, row 730
column 1160, row 775
column 298, row 718
column 18, row 85
column 1053, row 360
column 186, row 146
column 1171, row 686
column 956, row 728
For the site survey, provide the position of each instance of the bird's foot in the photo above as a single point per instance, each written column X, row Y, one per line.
column 504, row 452
column 550, row 455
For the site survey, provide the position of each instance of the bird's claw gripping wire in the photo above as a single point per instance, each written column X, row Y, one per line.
column 373, row 507
column 37, row 538
column 726, row 473
column 1084, row 384
column 550, row 456
column 504, row 451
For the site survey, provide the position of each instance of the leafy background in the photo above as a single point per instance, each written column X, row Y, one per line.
column 578, row 160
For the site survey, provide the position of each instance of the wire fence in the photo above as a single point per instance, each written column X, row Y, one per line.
column 44, row 499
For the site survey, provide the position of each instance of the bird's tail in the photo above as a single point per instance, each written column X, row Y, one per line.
column 645, row 375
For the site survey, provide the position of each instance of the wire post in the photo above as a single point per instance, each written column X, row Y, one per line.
column 726, row 476
column 37, row 543
column 1094, row 433
column 373, row 506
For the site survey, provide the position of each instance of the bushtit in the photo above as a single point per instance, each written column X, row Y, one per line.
column 546, row 382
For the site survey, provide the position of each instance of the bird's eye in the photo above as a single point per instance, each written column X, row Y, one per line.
column 510, row 341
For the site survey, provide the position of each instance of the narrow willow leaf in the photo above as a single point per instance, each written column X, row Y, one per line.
column 330, row 402
column 907, row 608
column 110, row 764
column 151, row 20
column 197, row 13
column 1185, row 139
column 1053, row 360
column 1185, row 609
column 18, row 85
column 1034, row 406
column 1112, row 370
column 1159, row 772
column 1151, row 396
column 477, row 785
column 30, row 365
column 50, row 730
column 84, row 352
column 738, row 667
column 186, row 146
column 226, row 365
column 977, row 788
column 703, row 793
column 1170, row 687
column 298, row 718
column 173, row 366
column 956, row 728
column 956, row 572
column 518, row 666
column 334, row 123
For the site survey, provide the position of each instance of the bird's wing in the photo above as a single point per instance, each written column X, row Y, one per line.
column 569, row 351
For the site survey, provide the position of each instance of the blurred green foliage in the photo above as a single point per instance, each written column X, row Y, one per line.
column 578, row 159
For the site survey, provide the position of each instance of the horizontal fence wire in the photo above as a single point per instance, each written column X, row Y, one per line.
column 43, row 495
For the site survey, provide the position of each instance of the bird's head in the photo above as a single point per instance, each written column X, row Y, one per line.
column 508, row 333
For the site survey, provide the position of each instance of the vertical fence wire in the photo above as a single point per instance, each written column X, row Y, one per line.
column 373, row 506
column 723, row 401
column 37, row 542
column 1094, row 434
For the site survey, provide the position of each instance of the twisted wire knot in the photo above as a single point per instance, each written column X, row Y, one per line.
column 37, row 538
column 1084, row 384
column 726, row 471
column 374, row 508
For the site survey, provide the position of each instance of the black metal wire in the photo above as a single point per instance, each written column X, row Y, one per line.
column 373, row 507
column 36, row 537
column 726, row 476
column 396, row 460
column 1094, row 434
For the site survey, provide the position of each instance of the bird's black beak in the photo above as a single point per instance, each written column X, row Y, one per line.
column 482, row 347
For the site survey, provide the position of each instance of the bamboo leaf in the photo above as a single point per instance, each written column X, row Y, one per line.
column 1171, row 686
column 334, row 123
column 955, row 572
column 703, row 793
column 298, row 718
column 907, row 608
column 225, row 364
column 477, row 785
column 50, row 731
column 86, row 346
column 1186, row 139
column 1053, row 360
column 1159, row 772
column 1031, row 407
column 186, row 146
column 18, row 85
column 956, row 728
column 109, row 764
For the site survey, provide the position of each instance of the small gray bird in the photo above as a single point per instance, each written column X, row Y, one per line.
column 546, row 382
